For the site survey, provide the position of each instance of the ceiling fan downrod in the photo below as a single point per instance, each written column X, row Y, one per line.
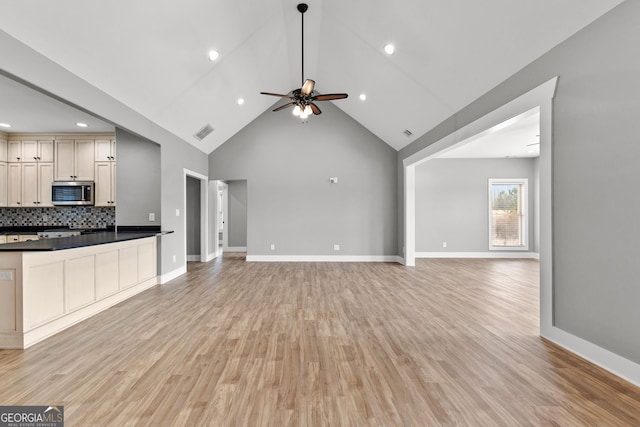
column 302, row 8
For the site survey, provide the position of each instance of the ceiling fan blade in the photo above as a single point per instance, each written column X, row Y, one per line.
column 282, row 107
column 275, row 94
column 329, row 97
column 315, row 109
column 308, row 86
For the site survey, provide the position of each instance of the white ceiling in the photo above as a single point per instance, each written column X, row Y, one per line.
column 152, row 54
column 515, row 138
column 28, row 110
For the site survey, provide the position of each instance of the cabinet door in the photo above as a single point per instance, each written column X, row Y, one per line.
column 113, row 183
column 45, row 151
column 29, row 151
column 45, row 178
column 3, row 184
column 64, row 160
column 84, row 160
column 103, row 184
column 14, row 151
column 103, row 150
column 14, row 189
column 3, row 150
column 29, row 185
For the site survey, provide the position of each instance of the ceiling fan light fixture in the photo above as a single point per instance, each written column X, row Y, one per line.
column 303, row 99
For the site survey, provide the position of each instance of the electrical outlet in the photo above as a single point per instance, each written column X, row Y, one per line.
column 273, row 247
column 336, row 247
column 444, row 244
column 152, row 216
column 177, row 212
column 174, row 258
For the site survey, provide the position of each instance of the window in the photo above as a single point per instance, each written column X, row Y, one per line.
column 508, row 214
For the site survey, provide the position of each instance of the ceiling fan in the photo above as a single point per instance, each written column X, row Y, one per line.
column 302, row 99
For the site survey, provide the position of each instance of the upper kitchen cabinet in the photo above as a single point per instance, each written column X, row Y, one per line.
column 30, row 151
column 105, row 150
column 37, row 151
column 74, row 160
column 3, row 149
column 3, row 184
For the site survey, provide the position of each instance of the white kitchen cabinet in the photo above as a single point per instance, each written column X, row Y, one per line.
column 36, row 184
column 3, row 150
column 105, row 150
column 14, row 184
column 105, row 187
column 37, row 151
column 3, row 184
column 14, row 151
column 74, row 160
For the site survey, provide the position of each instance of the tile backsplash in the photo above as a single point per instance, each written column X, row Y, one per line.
column 60, row 216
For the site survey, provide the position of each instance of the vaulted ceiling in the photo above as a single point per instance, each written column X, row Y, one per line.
column 152, row 54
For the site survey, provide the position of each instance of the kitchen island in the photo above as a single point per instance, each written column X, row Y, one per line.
column 48, row 285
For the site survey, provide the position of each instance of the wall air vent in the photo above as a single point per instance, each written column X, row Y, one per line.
column 202, row 133
column 407, row 132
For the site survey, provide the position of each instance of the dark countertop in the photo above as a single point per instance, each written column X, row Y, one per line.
column 84, row 240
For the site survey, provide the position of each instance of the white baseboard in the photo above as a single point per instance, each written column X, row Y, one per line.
column 212, row 256
column 235, row 249
column 530, row 255
column 323, row 258
column 617, row 365
column 173, row 274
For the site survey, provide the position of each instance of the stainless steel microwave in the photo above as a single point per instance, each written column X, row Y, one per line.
column 72, row 193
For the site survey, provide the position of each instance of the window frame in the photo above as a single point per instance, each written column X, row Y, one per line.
column 524, row 182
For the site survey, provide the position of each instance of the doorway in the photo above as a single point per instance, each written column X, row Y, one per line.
column 195, row 208
column 542, row 97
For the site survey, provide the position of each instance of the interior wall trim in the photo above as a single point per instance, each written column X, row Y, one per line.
column 324, row 258
column 607, row 360
column 167, row 277
column 524, row 255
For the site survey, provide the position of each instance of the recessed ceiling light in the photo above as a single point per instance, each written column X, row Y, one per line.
column 389, row 48
column 363, row 97
column 240, row 101
column 82, row 125
column 5, row 125
column 213, row 55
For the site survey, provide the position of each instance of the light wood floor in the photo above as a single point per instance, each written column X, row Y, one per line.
column 449, row 342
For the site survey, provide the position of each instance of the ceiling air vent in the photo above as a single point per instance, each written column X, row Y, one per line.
column 408, row 133
column 202, row 133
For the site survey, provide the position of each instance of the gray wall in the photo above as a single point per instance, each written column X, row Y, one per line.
column 595, row 167
column 452, row 202
column 137, row 174
column 193, row 216
column 236, row 223
column 40, row 72
column 291, row 203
